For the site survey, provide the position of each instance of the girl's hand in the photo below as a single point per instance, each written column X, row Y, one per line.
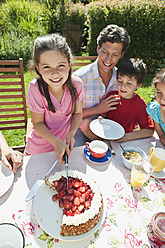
column 70, row 141
column 60, row 147
column 12, row 159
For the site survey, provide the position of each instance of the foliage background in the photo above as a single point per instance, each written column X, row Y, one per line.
column 22, row 21
column 144, row 21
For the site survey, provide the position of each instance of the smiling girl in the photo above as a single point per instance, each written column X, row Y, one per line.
column 157, row 109
column 54, row 98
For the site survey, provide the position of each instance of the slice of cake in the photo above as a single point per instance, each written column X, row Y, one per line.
column 82, row 204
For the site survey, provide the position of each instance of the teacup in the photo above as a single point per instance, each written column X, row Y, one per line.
column 97, row 148
column 157, row 158
column 11, row 236
column 114, row 92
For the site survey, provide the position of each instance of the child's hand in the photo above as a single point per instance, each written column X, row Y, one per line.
column 70, row 140
column 60, row 147
column 109, row 103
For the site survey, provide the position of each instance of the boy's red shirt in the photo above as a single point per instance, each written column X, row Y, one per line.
column 130, row 113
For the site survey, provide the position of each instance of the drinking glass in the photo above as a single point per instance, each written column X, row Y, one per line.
column 140, row 173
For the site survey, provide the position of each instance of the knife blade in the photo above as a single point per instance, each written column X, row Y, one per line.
column 37, row 184
column 66, row 166
column 33, row 190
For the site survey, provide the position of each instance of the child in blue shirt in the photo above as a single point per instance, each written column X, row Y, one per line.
column 156, row 109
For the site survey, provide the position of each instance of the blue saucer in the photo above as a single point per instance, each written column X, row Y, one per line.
column 104, row 159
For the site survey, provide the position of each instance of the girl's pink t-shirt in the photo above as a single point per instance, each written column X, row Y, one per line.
column 58, row 123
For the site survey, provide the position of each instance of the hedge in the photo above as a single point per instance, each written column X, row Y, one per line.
column 144, row 21
column 22, row 21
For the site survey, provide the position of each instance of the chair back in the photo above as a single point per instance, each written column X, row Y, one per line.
column 13, row 113
column 80, row 61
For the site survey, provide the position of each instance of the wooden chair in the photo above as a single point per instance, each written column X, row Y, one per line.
column 80, row 61
column 13, row 113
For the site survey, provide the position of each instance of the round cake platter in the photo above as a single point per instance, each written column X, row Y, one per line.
column 49, row 215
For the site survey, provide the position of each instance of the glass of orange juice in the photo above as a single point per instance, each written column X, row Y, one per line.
column 140, row 173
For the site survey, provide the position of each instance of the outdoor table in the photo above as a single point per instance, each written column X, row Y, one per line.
column 128, row 211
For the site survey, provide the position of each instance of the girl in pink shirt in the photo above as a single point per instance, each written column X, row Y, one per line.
column 54, row 99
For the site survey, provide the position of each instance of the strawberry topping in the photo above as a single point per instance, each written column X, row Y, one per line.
column 74, row 201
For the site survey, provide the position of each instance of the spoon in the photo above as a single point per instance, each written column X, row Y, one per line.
column 125, row 152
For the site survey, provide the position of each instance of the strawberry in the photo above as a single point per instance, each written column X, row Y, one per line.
column 77, row 211
column 91, row 195
column 63, row 192
column 70, row 179
column 60, row 186
column 87, row 204
column 82, row 189
column 62, row 179
column 64, row 211
column 76, row 201
column 82, row 198
column 70, row 191
column 77, row 193
column 70, row 186
column 70, row 198
column 87, row 193
column 81, row 207
column 61, row 203
column 55, row 197
column 55, row 184
column 76, row 183
column 74, row 208
column 68, row 205
column 69, row 213
column 86, row 186
column 81, row 183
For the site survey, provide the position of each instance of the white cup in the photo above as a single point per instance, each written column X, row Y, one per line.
column 11, row 236
column 97, row 148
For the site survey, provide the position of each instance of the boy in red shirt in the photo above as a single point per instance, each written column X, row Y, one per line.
column 131, row 111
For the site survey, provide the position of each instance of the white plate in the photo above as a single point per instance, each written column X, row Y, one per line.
column 49, row 215
column 6, row 179
column 160, row 174
column 107, row 129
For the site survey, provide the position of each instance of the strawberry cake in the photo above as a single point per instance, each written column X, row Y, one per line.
column 82, row 204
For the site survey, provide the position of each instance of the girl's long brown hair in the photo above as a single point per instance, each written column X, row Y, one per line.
column 48, row 43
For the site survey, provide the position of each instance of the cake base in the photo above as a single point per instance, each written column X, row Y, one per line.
column 82, row 228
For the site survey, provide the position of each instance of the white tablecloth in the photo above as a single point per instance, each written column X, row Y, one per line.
column 127, row 211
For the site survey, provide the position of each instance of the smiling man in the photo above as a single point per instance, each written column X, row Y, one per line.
column 100, row 76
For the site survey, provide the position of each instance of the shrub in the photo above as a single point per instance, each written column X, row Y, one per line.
column 20, row 23
column 52, row 15
column 144, row 21
column 75, row 14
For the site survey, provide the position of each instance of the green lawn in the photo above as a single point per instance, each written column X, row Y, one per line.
column 16, row 137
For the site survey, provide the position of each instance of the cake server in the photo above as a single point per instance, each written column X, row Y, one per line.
column 37, row 184
column 66, row 166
